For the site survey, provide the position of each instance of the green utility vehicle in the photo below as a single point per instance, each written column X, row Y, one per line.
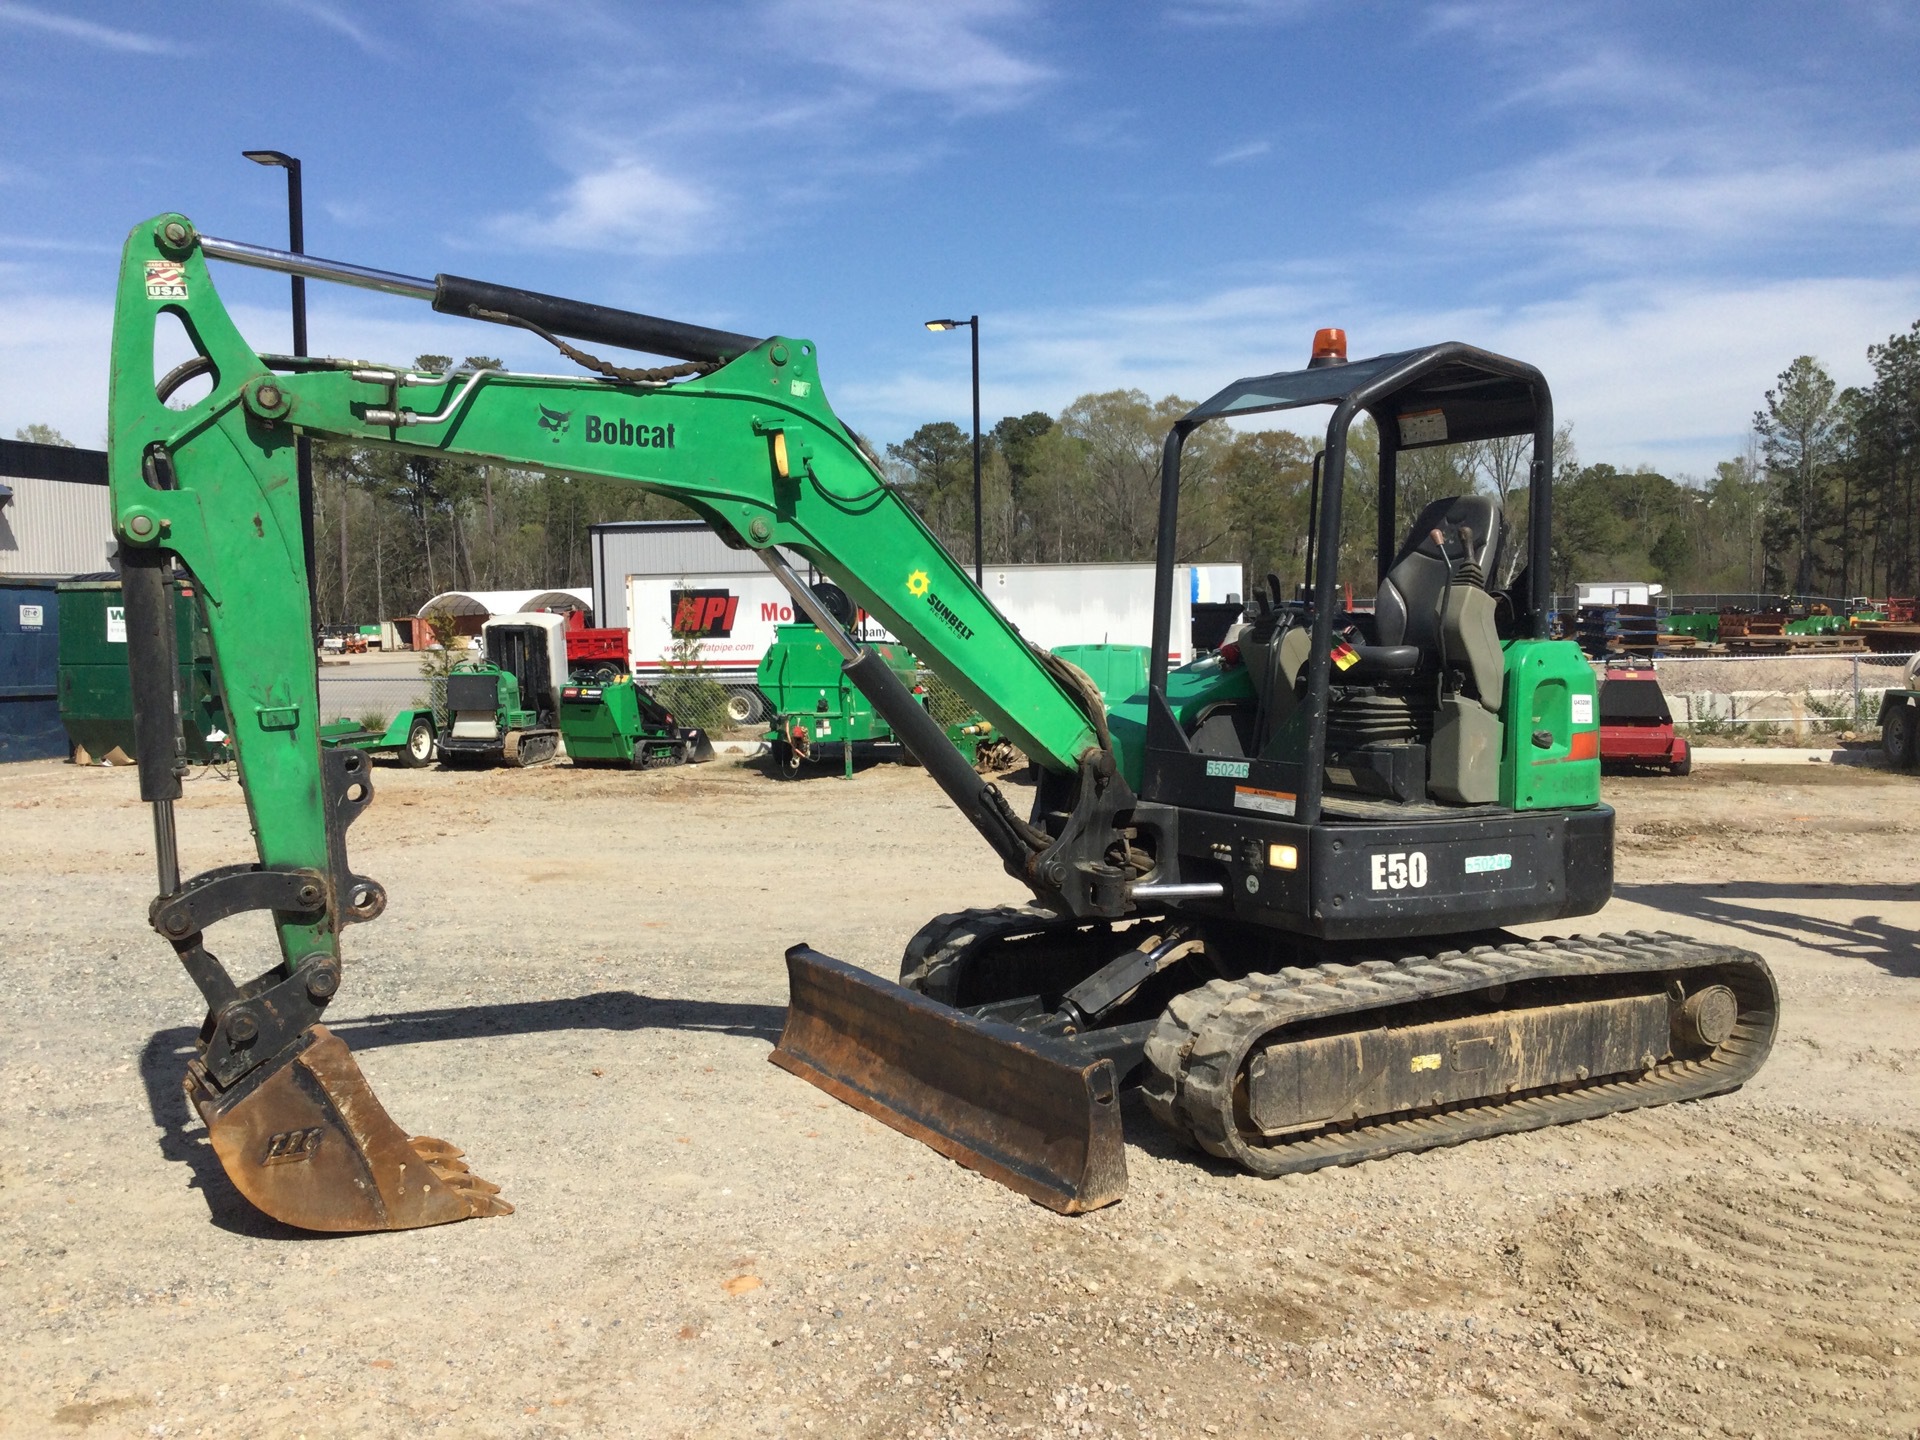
column 505, row 708
column 820, row 715
column 817, row 711
column 610, row 721
column 1270, row 888
column 1120, row 671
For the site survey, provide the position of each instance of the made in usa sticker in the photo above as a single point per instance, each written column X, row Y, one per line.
column 166, row 280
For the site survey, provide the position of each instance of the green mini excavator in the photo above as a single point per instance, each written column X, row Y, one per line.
column 1269, row 890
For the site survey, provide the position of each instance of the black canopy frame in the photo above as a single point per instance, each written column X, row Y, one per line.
column 1443, row 394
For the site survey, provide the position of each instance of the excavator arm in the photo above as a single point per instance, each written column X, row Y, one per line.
column 748, row 442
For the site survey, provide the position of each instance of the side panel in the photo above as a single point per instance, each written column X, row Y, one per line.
column 1552, row 697
column 1378, row 881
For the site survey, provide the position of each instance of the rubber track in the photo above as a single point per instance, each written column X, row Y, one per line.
column 931, row 964
column 1203, row 1039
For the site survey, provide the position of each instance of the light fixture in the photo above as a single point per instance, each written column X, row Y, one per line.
column 972, row 323
column 1329, row 348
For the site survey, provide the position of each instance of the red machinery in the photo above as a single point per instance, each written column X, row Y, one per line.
column 1636, row 728
column 591, row 650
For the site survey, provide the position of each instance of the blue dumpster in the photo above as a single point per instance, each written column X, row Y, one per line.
column 30, row 726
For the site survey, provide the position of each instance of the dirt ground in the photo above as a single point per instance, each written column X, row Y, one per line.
column 578, row 980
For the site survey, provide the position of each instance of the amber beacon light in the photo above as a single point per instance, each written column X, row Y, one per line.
column 1329, row 348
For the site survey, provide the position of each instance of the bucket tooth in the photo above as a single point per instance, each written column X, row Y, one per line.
column 1019, row 1108
column 305, row 1139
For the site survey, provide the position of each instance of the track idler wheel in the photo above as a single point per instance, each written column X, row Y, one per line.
column 305, row 1139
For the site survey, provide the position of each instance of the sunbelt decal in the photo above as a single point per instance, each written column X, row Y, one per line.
column 921, row 588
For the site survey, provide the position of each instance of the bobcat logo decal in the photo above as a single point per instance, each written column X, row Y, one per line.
column 555, row 420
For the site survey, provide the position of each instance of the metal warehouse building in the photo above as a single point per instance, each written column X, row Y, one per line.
column 656, row 547
column 56, row 522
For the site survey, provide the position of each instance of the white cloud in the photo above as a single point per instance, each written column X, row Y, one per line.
column 1610, row 199
column 331, row 19
column 104, row 36
column 54, row 364
column 628, row 206
column 1667, row 375
column 912, row 46
column 1239, row 12
column 1252, row 150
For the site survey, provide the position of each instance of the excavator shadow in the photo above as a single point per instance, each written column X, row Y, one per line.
column 163, row 1061
column 1780, row 912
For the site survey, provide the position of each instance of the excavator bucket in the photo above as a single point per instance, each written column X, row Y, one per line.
column 1017, row 1107
column 307, row 1141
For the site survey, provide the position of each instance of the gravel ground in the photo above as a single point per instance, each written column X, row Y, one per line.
column 578, row 980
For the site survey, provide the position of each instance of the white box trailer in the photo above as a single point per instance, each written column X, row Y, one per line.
column 1618, row 592
column 1104, row 604
column 734, row 616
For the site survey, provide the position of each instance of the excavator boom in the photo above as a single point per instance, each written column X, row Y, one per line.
column 743, row 436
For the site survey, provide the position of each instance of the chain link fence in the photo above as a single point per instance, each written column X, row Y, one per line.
column 709, row 704
column 1779, row 696
column 367, row 698
column 944, row 703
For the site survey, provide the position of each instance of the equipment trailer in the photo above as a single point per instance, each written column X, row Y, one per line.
column 409, row 737
column 1269, row 889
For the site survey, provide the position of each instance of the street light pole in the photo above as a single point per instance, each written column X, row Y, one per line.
column 303, row 447
column 973, row 324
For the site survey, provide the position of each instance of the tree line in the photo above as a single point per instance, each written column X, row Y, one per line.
column 1821, row 502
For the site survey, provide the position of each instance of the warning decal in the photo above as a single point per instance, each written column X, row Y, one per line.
column 1423, row 427
column 1273, row 802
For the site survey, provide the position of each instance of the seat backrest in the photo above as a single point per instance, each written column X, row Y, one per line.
column 1407, row 610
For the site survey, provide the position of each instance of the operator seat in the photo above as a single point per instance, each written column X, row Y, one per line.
column 1417, row 715
column 1409, row 611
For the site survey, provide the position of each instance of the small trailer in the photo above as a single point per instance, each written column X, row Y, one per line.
column 410, row 737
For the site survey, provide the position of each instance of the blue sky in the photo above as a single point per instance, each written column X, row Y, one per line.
column 1659, row 204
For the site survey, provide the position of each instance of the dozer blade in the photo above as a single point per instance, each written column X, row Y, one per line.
column 307, row 1141
column 1020, row 1108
